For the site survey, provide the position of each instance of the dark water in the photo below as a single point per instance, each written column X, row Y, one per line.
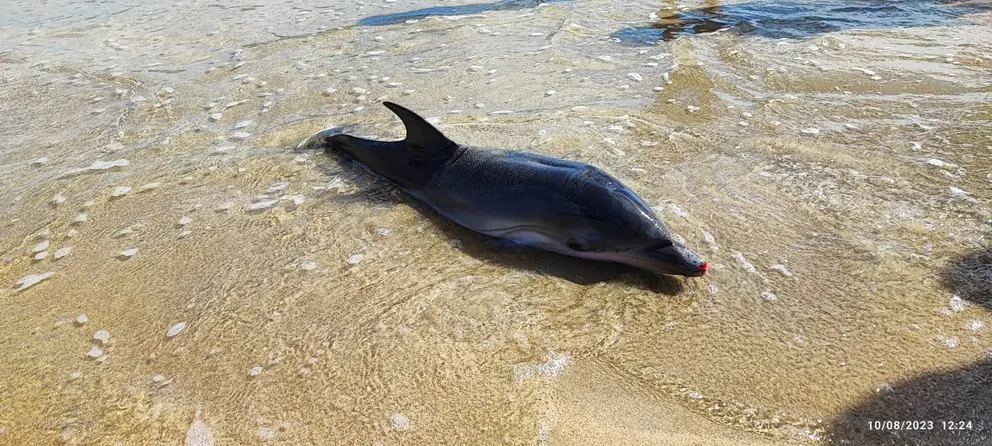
column 475, row 8
column 797, row 19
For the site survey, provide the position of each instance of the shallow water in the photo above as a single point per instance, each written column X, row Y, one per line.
column 831, row 179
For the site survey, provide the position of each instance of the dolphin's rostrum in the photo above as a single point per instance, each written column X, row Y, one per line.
column 561, row 206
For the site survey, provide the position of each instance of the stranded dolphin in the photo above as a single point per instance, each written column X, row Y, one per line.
column 561, row 206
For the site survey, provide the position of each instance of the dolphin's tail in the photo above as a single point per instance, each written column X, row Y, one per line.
column 408, row 163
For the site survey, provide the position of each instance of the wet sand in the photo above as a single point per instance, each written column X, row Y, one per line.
column 831, row 180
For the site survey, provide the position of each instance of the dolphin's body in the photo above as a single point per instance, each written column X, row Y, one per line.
column 561, row 206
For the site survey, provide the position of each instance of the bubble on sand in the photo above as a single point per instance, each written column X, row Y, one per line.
column 554, row 363
column 101, row 337
column 32, row 280
column 956, row 303
column 782, row 270
column 41, row 246
column 399, row 422
column 255, row 371
column 175, row 330
column 198, row 434
column 185, row 221
column 120, row 191
column 95, row 352
column 308, row 265
column 355, row 259
column 62, row 252
column 148, row 187
column 260, row 205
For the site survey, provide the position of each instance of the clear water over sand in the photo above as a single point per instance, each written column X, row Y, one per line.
column 834, row 176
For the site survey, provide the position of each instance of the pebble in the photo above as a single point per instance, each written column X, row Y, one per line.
column 242, row 124
column 635, row 76
column 811, row 131
column 227, row 205
column 82, row 319
column 255, row 371
column 399, row 422
column 39, row 161
column 120, row 191
column 409, row 92
column 175, row 330
column 32, row 280
column 393, row 84
column 974, row 325
column 101, row 337
column 59, row 199
column 455, row 243
column 185, row 234
column 185, row 221
column 80, row 218
column 308, row 265
column 359, row 91
column 158, row 378
column 768, row 295
column 62, row 252
column 549, row 92
column 95, row 352
column 216, row 116
column 41, row 255
column 127, row 253
column 329, row 91
column 240, row 135
column 782, row 270
column 223, row 149
column 41, row 246
column 355, row 259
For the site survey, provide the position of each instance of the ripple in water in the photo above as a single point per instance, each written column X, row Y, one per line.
column 795, row 19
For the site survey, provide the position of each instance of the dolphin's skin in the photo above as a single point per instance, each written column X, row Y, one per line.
column 561, row 206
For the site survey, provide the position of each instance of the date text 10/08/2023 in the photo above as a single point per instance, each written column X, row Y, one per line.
column 919, row 425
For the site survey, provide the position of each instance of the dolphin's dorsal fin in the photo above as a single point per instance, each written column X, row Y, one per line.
column 419, row 132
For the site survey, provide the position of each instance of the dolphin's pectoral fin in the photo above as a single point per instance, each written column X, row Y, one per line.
column 420, row 133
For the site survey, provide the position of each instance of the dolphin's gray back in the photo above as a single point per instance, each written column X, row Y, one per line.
column 499, row 192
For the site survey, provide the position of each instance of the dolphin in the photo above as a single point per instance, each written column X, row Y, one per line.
column 523, row 198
